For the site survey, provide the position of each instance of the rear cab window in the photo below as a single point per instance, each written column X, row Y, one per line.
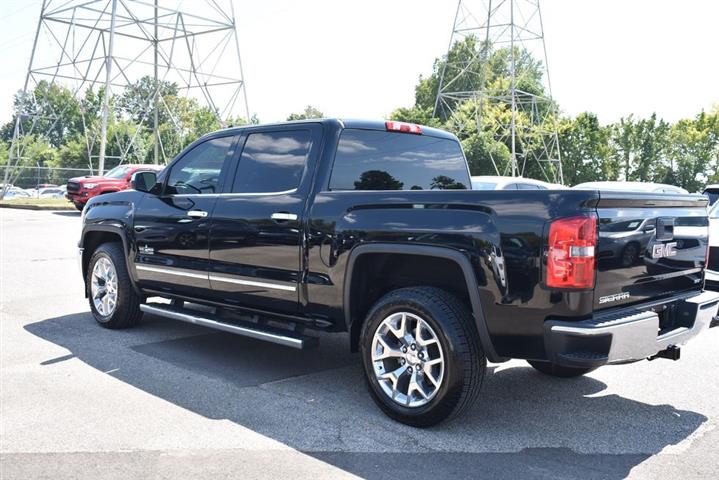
column 379, row 160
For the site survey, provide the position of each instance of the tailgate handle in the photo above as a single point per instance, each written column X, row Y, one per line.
column 665, row 229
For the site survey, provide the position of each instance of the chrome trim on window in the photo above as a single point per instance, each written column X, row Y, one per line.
column 257, row 194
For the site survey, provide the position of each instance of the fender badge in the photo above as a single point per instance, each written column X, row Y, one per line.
column 146, row 250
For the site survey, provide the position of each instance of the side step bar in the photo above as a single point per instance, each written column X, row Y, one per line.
column 247, row 329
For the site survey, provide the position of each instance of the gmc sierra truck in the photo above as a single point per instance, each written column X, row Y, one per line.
column 371, row 228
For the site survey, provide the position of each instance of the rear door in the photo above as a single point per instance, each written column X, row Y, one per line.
column 649, row 246
column 172, row 226
column 256, row 238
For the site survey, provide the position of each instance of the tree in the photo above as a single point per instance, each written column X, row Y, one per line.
column 377, row 180
column 443, row 182
column 586, row 152
column 137, row 101
column 309, row 112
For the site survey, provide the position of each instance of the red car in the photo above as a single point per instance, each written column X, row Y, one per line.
column 82, row 189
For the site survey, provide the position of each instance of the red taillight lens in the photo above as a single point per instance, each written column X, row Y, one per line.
column 570, row 261
column 403, row 127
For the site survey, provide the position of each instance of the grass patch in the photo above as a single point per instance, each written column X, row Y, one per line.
column 58, row 203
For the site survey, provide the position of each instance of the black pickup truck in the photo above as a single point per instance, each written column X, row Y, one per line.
column 370, row 228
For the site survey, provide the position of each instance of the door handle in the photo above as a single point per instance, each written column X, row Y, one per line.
column 196, row 214
column 283, row 216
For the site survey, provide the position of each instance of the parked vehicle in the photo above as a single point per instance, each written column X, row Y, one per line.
column 272, row 231
column 52, row 192
column 713, row 267
column 712, row 192
column 82, row 189
column 487, row 182
column 631, row 187
column 14, row 193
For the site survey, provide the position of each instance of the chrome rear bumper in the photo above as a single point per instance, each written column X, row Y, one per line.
column 627, row 335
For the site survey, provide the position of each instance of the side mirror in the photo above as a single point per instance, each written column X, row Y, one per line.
column 143, row 181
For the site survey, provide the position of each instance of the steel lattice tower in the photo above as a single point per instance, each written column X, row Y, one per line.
column 530, row 132
column 96, row 44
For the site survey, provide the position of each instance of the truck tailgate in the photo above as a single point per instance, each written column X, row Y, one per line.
column 649, row 246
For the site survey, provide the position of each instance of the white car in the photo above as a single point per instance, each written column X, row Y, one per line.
column 712, row 274
column 52, row 192
column 487, row 182
column 14, row 193
column 712, row 191
column 630, row 187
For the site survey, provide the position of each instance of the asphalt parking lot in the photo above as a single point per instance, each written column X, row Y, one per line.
column 171, row 400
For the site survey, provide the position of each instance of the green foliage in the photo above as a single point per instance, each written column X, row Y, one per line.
column 684, row 154
column 586, row 152
column 309, row 112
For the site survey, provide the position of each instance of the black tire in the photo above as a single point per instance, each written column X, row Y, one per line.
column 79, row 206
column 555, row 370
column 630, row 255
column 127, row 309
column 465, row 363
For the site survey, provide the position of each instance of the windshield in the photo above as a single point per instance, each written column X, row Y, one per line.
column 118, row 172
column 483, row 186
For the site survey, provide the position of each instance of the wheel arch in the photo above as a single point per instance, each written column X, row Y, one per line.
column 356, row 307
column 94, row 236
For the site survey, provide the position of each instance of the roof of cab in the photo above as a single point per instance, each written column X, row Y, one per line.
column 345, row 123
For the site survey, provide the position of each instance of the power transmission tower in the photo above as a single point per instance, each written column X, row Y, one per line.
column 106, row 45
column 509, row 35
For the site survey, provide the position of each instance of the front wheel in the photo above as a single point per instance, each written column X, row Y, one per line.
column 421, row 355
column 113, row 302
column 555, row 370
column 79, row 206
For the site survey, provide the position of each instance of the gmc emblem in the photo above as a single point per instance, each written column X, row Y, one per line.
column 661, row 250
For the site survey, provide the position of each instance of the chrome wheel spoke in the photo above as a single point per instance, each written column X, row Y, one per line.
column 103, row 286
column 387, row 351
column 408, row 359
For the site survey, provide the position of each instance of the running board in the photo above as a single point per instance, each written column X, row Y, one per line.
column 247, row 329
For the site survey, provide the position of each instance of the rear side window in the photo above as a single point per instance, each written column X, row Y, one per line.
column 272, row 161
column 376, row 160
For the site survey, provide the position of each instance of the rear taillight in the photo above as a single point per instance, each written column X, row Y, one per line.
column 403, row 127
column 570, row 260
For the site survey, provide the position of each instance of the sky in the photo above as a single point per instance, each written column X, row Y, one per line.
column 362, row 59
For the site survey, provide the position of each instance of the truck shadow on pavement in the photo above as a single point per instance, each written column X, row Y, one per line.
column 524, row 425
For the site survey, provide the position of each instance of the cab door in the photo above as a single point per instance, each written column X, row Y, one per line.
column 172, row 226
column 257, row 225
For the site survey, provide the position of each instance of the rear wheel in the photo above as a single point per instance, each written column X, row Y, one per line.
column 555, row 370
column 421, row 356
column 113, row 301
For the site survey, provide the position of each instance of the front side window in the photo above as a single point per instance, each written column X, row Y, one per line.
column 377, row 160
column 198, row 171
column 272, row 161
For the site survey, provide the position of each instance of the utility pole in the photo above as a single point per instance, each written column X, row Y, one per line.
column 106, row 96
column 85, row 46
column 155, row 106
column 530, row 134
